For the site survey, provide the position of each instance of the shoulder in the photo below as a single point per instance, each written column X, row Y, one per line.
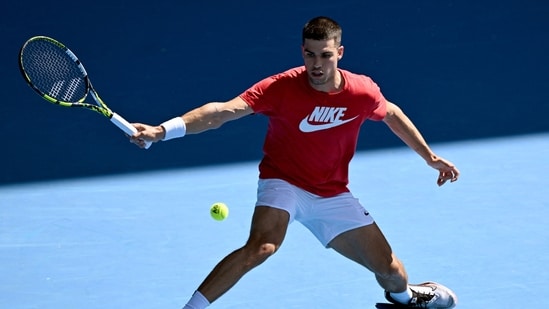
column 355, row 79
column 285, row 79
column 265, row 94
column 360, row 84
column 290, row 74
column 363, row 90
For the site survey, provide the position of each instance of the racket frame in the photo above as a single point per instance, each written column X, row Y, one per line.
column 101, row 107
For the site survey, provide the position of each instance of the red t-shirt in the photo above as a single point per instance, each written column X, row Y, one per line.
column 312, row 135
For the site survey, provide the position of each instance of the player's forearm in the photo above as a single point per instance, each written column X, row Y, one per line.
column 197, row 120
column 203, row 118
column 206, row 117
column 403, row 127
column 214, row 114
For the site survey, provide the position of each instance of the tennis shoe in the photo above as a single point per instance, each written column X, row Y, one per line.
column 428, row 295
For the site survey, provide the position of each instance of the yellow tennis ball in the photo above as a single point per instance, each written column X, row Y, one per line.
column 219, row 211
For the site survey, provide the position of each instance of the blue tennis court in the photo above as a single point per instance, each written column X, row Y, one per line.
column 88, row 221
column 146, row 240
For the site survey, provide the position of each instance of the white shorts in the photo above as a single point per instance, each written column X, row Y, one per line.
column 325, row 217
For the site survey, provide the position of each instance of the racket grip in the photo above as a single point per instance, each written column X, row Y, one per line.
column 125, row 126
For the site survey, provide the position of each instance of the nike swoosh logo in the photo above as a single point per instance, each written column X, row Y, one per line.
column 306, row 127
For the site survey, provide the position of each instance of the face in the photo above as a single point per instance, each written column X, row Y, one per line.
column 321, row 58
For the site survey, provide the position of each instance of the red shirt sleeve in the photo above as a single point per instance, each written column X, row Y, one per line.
column 379, row 103
column 260, row 97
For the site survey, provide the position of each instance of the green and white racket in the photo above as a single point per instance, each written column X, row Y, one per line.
column 56, row 74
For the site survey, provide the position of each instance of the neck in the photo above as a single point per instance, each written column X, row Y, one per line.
column 334, row 84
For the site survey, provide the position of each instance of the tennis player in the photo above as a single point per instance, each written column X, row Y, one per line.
column 315, row 112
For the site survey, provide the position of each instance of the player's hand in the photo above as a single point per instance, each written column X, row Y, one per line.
column 146, row 133
column 446, row 170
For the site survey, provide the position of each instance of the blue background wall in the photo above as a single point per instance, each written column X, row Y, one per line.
column 460, row 69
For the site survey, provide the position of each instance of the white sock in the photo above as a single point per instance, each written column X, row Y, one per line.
column 197, row 301
column 403, row 297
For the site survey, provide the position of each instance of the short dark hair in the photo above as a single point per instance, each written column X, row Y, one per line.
column 322, row 28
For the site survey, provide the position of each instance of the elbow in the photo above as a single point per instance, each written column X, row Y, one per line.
column 213, row 116
column 393, row 112
column 215, row 122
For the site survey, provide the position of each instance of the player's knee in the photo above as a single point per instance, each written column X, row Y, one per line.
column 259, row 252
column 265, row 250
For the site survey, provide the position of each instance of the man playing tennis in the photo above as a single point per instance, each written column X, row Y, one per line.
column 315, row 113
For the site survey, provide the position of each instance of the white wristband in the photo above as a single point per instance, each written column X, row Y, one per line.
column 174, row 128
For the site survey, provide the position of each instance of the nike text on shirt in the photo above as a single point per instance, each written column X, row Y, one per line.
column 323, row 118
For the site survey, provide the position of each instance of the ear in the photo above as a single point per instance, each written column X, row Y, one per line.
column 340, row 51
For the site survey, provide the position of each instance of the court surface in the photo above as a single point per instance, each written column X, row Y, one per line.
column 147, row 241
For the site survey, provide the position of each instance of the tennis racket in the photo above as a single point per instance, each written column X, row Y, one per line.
column 57, row 75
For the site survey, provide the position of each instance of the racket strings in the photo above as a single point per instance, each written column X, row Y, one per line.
column 53, row 71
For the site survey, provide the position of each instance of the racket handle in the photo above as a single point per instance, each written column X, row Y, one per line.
column 126, row 127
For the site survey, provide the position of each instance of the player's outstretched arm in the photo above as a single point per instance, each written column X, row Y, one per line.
column 206, row 117
column 403, row 127
column 214, row 114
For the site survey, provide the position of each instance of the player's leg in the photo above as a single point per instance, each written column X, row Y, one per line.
column 367, row 246
column 342, row 223
column 267, row 232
